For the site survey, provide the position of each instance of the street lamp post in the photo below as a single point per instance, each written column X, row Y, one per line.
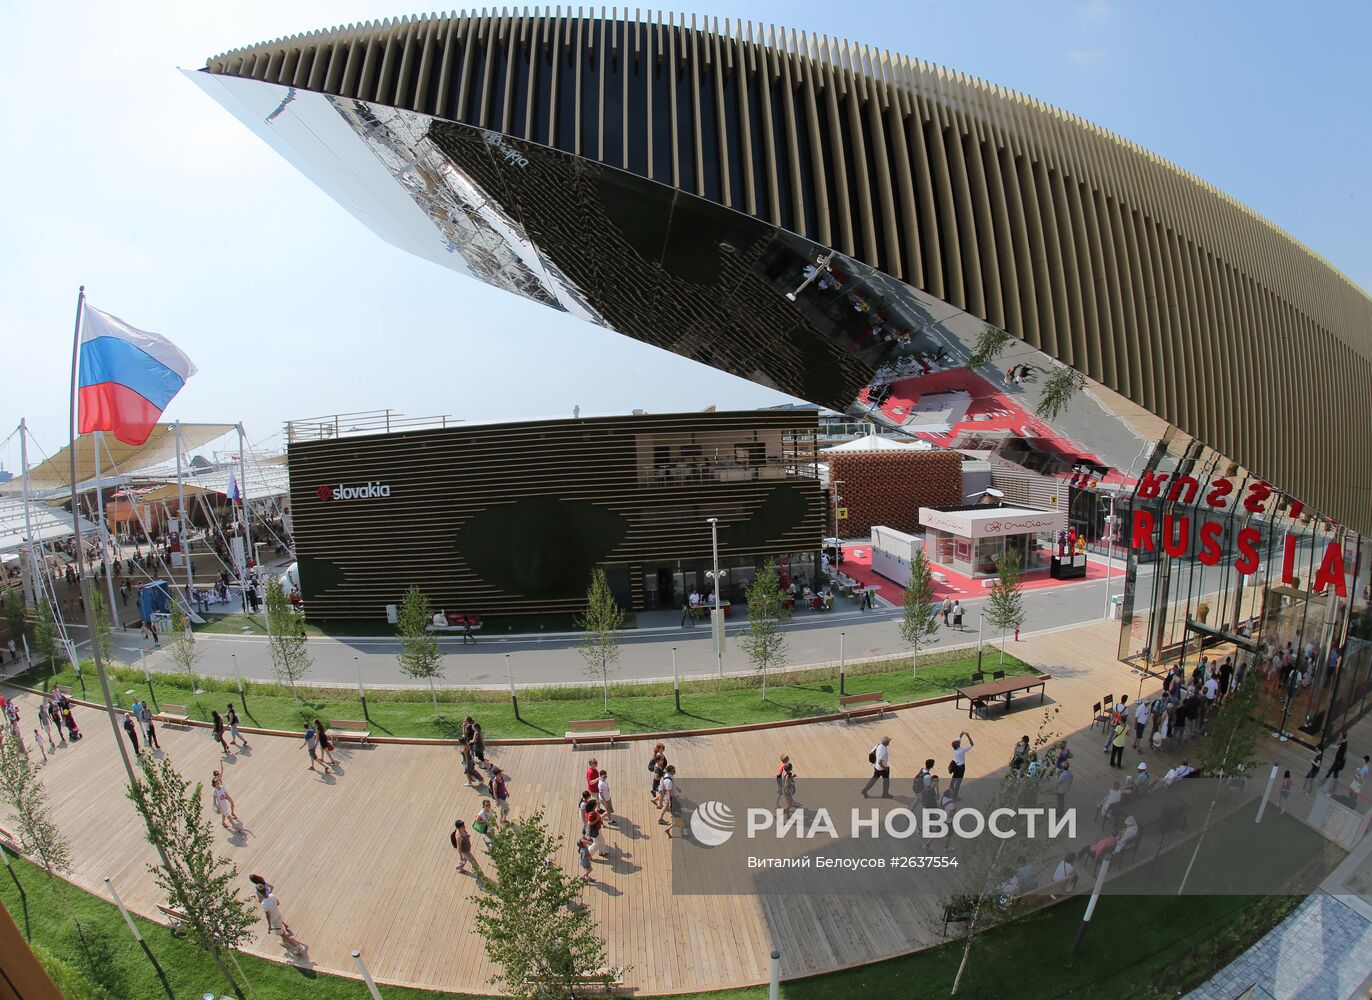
column 981, row 617
column 717, row 612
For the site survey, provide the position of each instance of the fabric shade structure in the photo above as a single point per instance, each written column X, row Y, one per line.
column 127, row 459
column 875, row 442
column 261, row 483
column 50, row 524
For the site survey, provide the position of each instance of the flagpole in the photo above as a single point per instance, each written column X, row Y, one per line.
column 81, row 562
column 104, row 535
column 246, row 515
column 185, row 528
column 28, row 518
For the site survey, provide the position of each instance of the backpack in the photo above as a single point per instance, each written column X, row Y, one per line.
column 452, row 837
column 872, row 756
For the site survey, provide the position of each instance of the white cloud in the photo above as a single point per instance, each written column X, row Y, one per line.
column 1094, row 12
column 1087, row 57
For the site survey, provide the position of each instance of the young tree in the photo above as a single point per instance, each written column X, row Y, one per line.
column 920, row 619
column 990, row 343
column 1059, row 387
column 104, row 631
column 45, row 633
column 601, row 623
column 419, row 656
column 530, row 918
column 22, row 790
column 181, row 646
column 764, row 642
column 1005, row 608
column 197, row 881
column 16, row 619
column 290, row 658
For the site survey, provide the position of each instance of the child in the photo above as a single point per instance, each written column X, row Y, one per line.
column 603, row 793
column 583, row 857
column 1285, row 792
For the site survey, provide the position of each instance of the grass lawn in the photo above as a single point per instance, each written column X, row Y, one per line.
column 639, row 708
column 240, row 624
column 1137, row 947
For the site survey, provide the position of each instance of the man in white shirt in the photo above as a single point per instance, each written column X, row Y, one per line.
column 1141, row 715
column 959, row 764
column 880, row 758
column 694, row 599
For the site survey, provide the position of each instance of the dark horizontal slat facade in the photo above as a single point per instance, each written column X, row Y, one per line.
column 510, row 519
column 1084, row 245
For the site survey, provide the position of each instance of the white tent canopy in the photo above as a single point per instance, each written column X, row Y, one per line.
column 876, row 442
column 128, row 459
column 50, row 524
column 262, row 482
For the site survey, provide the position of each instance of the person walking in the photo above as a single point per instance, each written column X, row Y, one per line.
column 1117, row 744
column 132, row 731
column 957, row 615
column 788, row 788
column 479, row 745
column 1142, row 713
column 1316, row 762
column 462, row 840
column 657, row 764
column 217, row 721
column 45, row 720
column 325, row 744
column 1340, row 759
column 666, row 792
column 276, row 923
column 500, row 791
column 70, row 720
column 1285, row 792
column 469, row 770
column 1065, row 778
column 957, row 767
column 880, row 759
column 583, row 857
column 485, row 822
column 947, row 610
column 232, row 716
column 592, row 775
column 312, row 746
column 603, row 794
column 224, row 804
column 149, row 729
column 595, row 826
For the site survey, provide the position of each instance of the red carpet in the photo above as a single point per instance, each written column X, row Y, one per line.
column 992, row 409
column 857, row 563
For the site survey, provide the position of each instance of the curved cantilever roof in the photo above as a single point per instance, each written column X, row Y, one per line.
column 1082, row 244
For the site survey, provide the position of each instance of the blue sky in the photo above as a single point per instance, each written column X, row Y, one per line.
column 122, row 175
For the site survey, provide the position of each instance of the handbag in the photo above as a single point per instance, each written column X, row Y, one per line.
column 480, row 827
column 872, row 756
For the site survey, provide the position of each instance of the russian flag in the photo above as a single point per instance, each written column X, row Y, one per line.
column 126, row 377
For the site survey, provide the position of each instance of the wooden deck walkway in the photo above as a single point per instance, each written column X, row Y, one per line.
column 361, row 858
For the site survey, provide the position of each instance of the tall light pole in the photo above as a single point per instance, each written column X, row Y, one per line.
column 717, row 612
column 834, row 485
column 1109, row 553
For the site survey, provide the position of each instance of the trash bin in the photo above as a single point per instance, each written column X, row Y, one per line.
column 1115, row 603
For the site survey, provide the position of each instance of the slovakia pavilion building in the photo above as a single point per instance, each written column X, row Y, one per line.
column 856, row 228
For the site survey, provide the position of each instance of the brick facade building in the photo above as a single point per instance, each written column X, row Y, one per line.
column 889, row 487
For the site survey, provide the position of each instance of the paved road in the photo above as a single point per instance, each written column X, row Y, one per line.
column 645, row 654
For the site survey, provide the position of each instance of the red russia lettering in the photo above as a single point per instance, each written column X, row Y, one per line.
column 1176, row 547
column 1248, row 553
column 1288, row 559
column 1331, row 570
column 1219, row 493
column 1142, row 537
column 1210, row 543
column 1183, row 484
column 1150, row 486
column 1256, row 501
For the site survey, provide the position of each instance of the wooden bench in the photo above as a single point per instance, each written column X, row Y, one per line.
column 9, row 841
column 607, row 980
column 174, row 713
column 1050, row 891
column 178, row 918
column 592, row 731
column 348, row 729
column 955, row 915
column 861, row 704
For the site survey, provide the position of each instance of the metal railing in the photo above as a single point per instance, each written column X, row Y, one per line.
column 361, row 422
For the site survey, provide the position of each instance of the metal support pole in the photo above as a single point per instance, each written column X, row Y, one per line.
column 774, row 987
column 239, row 677
column 104, row 535
column 676, row 681
column 183, row 523
column 1091, row 906
column 1266, row 794
column 842, row 665
column 147, row 676
column 718, row 609
column 249, row 552
column 366, row 976
column 123, row 910
column 361, row 691
column 514, row 698
column 981, row 617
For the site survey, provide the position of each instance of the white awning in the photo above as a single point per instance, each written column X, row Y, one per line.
column 125, row 459
column 50, row 524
